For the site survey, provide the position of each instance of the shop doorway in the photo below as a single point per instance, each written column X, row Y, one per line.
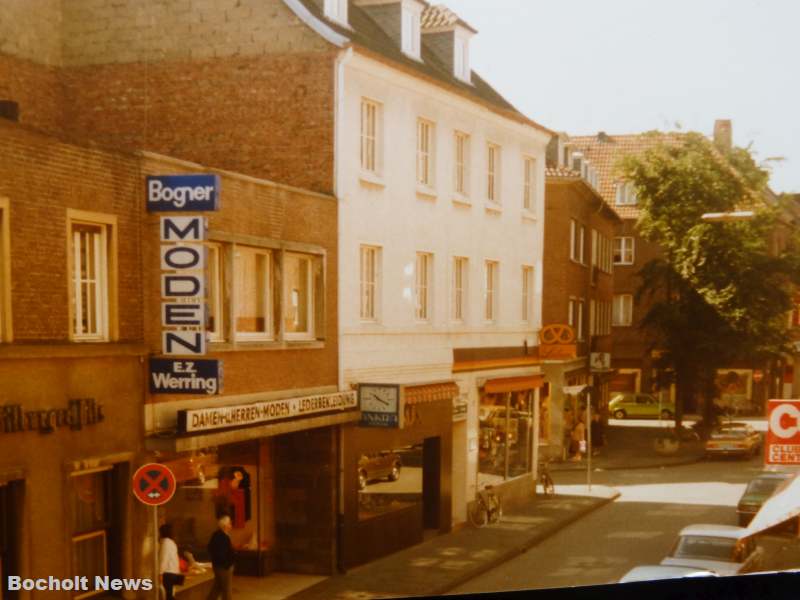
column 10, row 519
column 431, row 484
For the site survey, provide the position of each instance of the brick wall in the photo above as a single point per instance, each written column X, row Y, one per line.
column 268, row 116
column 31, row 29
column 37, row 90
column 562, row 276
column 42, row 178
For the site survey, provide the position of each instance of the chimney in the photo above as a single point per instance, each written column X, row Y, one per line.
column 9, row 110
column 448, row 37
column 723, row 134
column 602, row 137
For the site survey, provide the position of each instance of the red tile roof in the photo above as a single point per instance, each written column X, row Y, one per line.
column 439, row 16
column 605, row 151
column 563, row 173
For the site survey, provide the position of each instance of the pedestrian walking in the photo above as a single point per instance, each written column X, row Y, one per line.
column 220, row 549
column 169, row 564
column 578, row 439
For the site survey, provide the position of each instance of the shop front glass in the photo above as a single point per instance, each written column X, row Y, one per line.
column 505, row 423
column 389, row 480
column 210, row 484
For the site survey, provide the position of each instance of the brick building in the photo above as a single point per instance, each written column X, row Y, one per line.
column 744, row 385
column 578, row 293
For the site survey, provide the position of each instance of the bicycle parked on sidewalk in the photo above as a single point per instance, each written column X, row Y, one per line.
column 545, row 480
column 486, row 508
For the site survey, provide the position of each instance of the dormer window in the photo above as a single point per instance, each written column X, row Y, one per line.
column 410, row 29
column 336, row 10
column 626, row 194
column 461, row 59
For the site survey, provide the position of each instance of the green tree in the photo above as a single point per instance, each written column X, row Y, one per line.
column 720, row 290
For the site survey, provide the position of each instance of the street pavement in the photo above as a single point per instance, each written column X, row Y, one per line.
column 639, row 528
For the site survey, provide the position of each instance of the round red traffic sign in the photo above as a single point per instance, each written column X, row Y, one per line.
column 154, row 484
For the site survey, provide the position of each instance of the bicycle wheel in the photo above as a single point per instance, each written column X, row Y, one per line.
column 548, row 487
column 478, row 515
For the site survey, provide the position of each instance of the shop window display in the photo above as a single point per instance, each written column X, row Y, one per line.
column 212, row 483
column 505, row 435
column 389, row 480
column 90, row 504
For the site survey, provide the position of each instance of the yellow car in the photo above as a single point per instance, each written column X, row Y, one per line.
column 733, row 439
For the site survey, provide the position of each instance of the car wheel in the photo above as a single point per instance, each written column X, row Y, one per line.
column 666, row 414
column 395, row 474
column 619, row 414
column 362, row 480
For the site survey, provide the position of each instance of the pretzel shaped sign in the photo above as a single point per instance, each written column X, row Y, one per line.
column 557, row 334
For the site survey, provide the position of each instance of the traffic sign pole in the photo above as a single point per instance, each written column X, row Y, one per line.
column 156, row 582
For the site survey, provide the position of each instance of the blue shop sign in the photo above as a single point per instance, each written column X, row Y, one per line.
column 183, row 193
column 180, row 376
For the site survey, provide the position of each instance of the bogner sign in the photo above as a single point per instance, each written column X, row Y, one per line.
column 183, row 283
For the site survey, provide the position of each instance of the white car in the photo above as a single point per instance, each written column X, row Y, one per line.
column 655, row 572
column 723, row 549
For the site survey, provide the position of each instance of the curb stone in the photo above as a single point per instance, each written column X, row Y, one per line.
column 582, row 467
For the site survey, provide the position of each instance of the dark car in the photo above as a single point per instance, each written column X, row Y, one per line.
column 758, row 491
column 378, row 466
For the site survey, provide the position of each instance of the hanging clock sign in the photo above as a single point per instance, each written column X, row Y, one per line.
column 379, row 404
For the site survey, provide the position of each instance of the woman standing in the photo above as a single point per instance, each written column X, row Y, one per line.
column 169, row 565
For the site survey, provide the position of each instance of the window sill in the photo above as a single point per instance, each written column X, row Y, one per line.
column 528, row 215
column 371, row 179
column 426, row 192
column 461, row 200
column 492, row 207
column 580, row 264
column 71, row 350
column 623, row 264
column 248, row 346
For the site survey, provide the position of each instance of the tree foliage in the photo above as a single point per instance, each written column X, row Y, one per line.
column 720, row 290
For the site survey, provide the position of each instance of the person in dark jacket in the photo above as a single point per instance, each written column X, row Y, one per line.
column 222, row 555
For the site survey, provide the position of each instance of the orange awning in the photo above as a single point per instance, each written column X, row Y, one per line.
column 431, row 392
column 513, row 384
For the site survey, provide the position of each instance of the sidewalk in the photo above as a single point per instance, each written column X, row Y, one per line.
column 632, row 448
column 447, row 561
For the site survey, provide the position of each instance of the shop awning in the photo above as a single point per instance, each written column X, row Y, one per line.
column 513, row 384
column 431, row 392
column 778, row 509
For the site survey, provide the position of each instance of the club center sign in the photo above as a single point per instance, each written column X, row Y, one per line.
column 183, row 282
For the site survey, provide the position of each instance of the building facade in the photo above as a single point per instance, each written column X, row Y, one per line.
column 578, row 295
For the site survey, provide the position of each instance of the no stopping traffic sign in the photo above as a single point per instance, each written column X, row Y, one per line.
column 154, row 484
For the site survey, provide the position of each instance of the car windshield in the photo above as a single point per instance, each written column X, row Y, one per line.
column 763, row 486
column 729, row 432
column 704, row 547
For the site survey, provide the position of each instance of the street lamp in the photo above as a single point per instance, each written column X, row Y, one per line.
column 736, row 215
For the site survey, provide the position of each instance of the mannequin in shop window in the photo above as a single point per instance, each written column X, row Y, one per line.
column 233, row 495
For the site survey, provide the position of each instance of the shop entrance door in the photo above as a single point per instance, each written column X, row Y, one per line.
column 10, row 519
column 431, row 483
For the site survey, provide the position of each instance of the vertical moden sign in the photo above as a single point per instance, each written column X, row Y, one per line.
column 183, row 257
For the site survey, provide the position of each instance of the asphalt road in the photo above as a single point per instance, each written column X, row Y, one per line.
column 637, row 529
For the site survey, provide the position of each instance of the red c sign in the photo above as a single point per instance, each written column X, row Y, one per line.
column 783, row 433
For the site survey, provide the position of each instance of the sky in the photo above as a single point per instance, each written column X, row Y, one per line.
column 626, row 66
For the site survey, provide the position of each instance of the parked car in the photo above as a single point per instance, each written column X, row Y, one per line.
column 733, row 439
column 757, row 492
column 723, row 549
column 377, row 466
column 654, row 572
column 628, row 404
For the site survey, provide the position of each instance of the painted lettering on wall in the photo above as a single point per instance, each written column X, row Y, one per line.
column 78, row 412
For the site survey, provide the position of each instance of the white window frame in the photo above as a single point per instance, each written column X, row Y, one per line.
column 461, row 142
column 369, row 282
column 577, row 235
column 460, row 288
column 529, row 184
column 216, row 287
column 310, row 300
column 423, row 279
column 426, row 152
column 571, row 311
column 490, row 290
column 579, row 332
column 5, row 271
column 370, row 136
column 626, row 194
column 336, row 10
column 593, row 325
column 104, row 245
column 493, row 172
column 622, row 310
column 527, row 294
column 410, row 31
column 461, row 67
column 626, row 250
column 268, row 334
